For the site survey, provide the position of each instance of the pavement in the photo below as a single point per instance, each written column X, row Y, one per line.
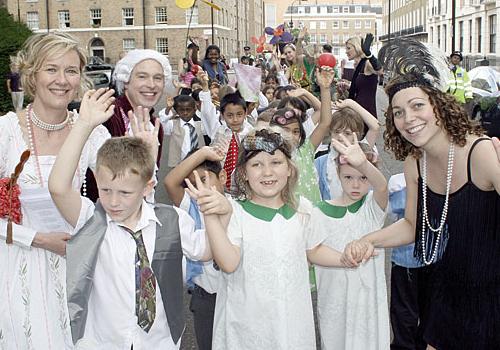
column 388, row 165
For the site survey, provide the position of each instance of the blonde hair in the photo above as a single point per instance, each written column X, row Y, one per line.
column 243, row 190
column 40, row 47
column 356, row 42
column 126, row 154
column 347, row 118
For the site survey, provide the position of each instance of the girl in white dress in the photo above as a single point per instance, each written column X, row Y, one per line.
column 352, row 303
column 263, row 300
column 33, row 309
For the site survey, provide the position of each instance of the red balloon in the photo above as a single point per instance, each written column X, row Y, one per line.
column 327, row 59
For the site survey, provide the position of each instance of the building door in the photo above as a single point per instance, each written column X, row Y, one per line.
column 97, row 48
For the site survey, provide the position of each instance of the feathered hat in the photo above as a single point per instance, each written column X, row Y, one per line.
column 427, row 65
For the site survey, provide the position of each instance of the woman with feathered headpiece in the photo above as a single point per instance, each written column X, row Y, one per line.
column 452, row 210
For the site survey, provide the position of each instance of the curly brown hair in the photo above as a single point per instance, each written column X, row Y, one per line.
column 450, row 115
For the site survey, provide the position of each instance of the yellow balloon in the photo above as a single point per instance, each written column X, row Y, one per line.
column 184, row 4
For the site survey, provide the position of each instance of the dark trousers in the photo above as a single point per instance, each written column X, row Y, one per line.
column 409, row 294
column 203, row 308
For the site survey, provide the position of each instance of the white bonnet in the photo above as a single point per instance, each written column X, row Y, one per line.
column 124, row 67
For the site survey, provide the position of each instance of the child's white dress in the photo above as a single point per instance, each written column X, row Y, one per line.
column 266, row 302
column 352, row 303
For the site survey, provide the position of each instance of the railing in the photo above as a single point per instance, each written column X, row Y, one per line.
column 404, row 32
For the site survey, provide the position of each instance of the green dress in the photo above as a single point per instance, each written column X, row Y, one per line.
column 308, row 184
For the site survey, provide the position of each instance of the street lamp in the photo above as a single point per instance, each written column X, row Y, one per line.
column 291, row 11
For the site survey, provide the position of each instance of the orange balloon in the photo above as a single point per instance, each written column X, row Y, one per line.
column 184, row 4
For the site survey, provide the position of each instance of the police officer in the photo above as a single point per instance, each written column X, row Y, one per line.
column 459, row 83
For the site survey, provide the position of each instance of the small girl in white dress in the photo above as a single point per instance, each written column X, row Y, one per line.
column 352, row 303
column 263, row 248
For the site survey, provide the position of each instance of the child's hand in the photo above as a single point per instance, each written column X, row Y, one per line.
column 210, row 201
column 347, row 103
column 356, row 252
column 297, row 92
column 324, row 76
column 96, row 107
column 203, row 77
column 213, row 153
column 141, row 128
column 351, row 151
column 170, row 103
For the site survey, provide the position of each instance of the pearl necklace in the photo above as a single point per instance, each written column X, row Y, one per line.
column 32, row 146
column 444, row 214
column 46, row 126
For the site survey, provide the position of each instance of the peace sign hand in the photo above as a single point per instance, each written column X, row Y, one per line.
column 351, row 151
column 210, row 201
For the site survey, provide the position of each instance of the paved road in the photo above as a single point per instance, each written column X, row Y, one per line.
column 389, row 166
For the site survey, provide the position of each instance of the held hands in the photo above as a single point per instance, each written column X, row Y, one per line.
column 356, row 252
column 96, row 107
column 210, row 201
column 366, row 44
column 325, row 76
column 141, row 128
column 351, row 151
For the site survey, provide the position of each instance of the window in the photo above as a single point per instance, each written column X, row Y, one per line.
column 128, row 44
column 335, row 9
column 357, row 24
column 461, row 36
column 335, row 25
column 63, row 17
column 307, row 9
column 322, row 38
column 346, row 37
column 479, row 36
column 322, row 25
column 128, row 16
column 345, row 9
column 439, row 36
column 336, row 51
column 345, row 24
column 312, row 25
column 493, row 33
column 162, row 45
column 335, row 39
column 329, row 9
column 313, row 38
column 470, row 35
column 32, row 20
column 357, row 9
column 192, row 15
column 161, row 15
column 95, row 17
column 368, row 24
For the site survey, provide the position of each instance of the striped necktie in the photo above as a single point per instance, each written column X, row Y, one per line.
column 193, row 137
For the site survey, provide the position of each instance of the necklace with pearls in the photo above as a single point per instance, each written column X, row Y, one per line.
column 32, row 145
column 46, row 126
column 444, row 214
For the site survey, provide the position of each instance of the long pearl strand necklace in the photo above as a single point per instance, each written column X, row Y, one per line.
column 32, row 145
column 444, row 214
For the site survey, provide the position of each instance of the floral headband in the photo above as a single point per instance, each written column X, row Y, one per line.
column 264, row 141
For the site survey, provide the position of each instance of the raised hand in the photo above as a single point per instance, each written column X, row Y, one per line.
column 351, row 151
column 325, row 76
column 347, row 103
column 141, row 128
column 96, row 107
column 366, row 44
column 170, row 103
column 210, row 201
column 297, row 92
column 213, row 153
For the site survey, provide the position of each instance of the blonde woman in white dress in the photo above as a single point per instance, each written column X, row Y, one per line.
column 33, row 310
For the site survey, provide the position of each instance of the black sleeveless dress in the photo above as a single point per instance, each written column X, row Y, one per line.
column 464, row 289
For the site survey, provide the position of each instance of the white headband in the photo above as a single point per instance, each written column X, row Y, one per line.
column 124, row 67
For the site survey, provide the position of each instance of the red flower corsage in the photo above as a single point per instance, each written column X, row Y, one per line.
column 10, row 205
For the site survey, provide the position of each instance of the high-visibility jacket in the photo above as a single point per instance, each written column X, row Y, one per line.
column 459, row 84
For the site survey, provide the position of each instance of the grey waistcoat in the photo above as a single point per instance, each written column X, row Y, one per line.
column 81, row 257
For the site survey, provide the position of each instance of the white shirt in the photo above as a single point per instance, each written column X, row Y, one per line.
column 111, row 320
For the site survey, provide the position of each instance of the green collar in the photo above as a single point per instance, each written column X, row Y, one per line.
column 337, row 211
column 265, row 213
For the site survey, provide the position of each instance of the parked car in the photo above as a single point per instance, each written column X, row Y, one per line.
column 485, row 104
column 96, row 63
column 99, row 78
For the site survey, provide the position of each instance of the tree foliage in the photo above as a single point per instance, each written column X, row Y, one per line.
column 12, row 37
